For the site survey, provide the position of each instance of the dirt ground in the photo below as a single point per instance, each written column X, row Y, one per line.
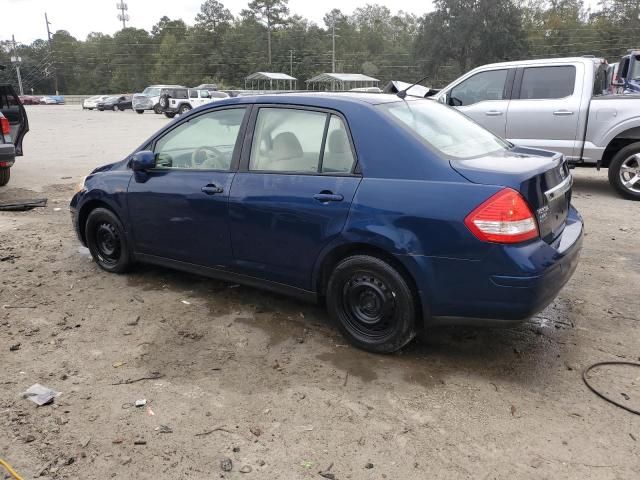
column 233, row 372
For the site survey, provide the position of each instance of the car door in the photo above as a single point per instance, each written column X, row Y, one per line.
column 293, row 192
column 178, row 210
column 484, row 97
column 545, row 108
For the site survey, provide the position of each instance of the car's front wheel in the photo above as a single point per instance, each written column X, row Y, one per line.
column 107, row 241
column 624, row 171
column 184, row 109
column 169, row 114
column 5, row 175
column 140, row 111
column 372, row 304
column 157, row 109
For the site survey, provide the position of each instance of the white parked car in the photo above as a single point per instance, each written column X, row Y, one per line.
column 180, row 100
column 92, row 102
column 148, row 99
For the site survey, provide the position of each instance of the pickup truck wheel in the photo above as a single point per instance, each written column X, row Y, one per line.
column 624, row 171
column 140, row 111
column 107, row 241
column 184, row 109
column 5, row 175
column 372, row 304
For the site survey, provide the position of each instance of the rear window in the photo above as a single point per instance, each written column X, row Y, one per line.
column 444, row 129
column 547, row 82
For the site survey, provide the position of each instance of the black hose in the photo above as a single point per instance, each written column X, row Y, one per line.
column 601, row 395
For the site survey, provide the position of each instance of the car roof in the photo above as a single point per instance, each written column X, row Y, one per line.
column 321, row 99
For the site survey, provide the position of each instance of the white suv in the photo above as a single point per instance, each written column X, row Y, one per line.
column 148, row 99
column 180, row 100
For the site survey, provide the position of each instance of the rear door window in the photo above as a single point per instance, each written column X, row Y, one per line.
column 547, row 82
column 479, row 87
column 300, row 141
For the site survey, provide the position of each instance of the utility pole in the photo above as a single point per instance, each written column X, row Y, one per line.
column 333, row 45
column 123, row 7
column 55, row 74
column 15, row 59
column 290, row 68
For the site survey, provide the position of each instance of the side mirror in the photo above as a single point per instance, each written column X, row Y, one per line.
column 143, row 160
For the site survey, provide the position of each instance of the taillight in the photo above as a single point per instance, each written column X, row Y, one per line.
column 4, row 125
column 504, row 218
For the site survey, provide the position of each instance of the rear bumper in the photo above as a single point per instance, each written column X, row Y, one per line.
column 7, row 154
column 511, row 284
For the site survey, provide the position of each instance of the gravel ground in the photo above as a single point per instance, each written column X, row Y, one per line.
column 230, row 372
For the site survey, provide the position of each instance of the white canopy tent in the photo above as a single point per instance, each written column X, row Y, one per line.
column 269, row 80
column 340, row 81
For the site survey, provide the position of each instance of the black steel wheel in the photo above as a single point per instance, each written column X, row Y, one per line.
column 5, row 175
column 107, row 241
column 372, row 304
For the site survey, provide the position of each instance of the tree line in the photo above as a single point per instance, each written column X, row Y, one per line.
column 221, row 48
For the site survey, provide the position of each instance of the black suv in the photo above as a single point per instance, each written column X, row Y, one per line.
column 13, row 127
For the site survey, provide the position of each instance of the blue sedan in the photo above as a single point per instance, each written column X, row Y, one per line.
column 398, row 213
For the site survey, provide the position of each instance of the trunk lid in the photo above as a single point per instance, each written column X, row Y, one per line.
column 12, row 108
column 541, row 177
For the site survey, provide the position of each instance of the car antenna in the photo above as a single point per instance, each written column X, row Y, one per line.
column 403, row 93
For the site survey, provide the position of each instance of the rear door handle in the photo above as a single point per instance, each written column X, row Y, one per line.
column 562, row 113
column 212, row 189
column 328, row 197
column 493, row 113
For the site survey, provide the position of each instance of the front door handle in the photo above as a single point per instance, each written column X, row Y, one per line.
column 562, row 113
column 325, row 197
column 212, row 189
column 493, row 113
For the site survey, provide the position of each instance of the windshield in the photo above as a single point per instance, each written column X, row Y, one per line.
column 151, row 92
column 444, row 128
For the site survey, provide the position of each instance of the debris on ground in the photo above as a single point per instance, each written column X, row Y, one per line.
column 22, row 205
column 15, row 347
column 40, row 395
column 140, row 403
column 246, row 469
column 226, row 464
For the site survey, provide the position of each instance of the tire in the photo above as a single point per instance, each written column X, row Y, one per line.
column 140, row 111
column 184, row 108
column 5, row 175
column 169, row 114
column 624, row 172
column 164, row 101
column 157, row 109
column 107, row 241
column 372, row 304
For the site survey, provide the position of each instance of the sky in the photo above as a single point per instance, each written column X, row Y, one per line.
column 25, row 18
column 80, row 17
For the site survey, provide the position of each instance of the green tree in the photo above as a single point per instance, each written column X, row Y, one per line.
column 212, row 15
column 272, row 13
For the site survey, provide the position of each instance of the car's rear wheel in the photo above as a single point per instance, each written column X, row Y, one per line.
column 184, row 109
column 5, row 175
column 624, row 171
column 140, row 111
column 372, row 304
column 107, row 241
column 157, row 109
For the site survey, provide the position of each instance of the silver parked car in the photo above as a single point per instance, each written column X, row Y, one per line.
column 560, row 104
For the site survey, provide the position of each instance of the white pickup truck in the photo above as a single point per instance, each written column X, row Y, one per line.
column 557, row 104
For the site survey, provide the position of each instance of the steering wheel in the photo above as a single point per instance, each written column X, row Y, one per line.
column 208, row 158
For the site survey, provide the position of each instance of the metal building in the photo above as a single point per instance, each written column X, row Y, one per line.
column 270, row 81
